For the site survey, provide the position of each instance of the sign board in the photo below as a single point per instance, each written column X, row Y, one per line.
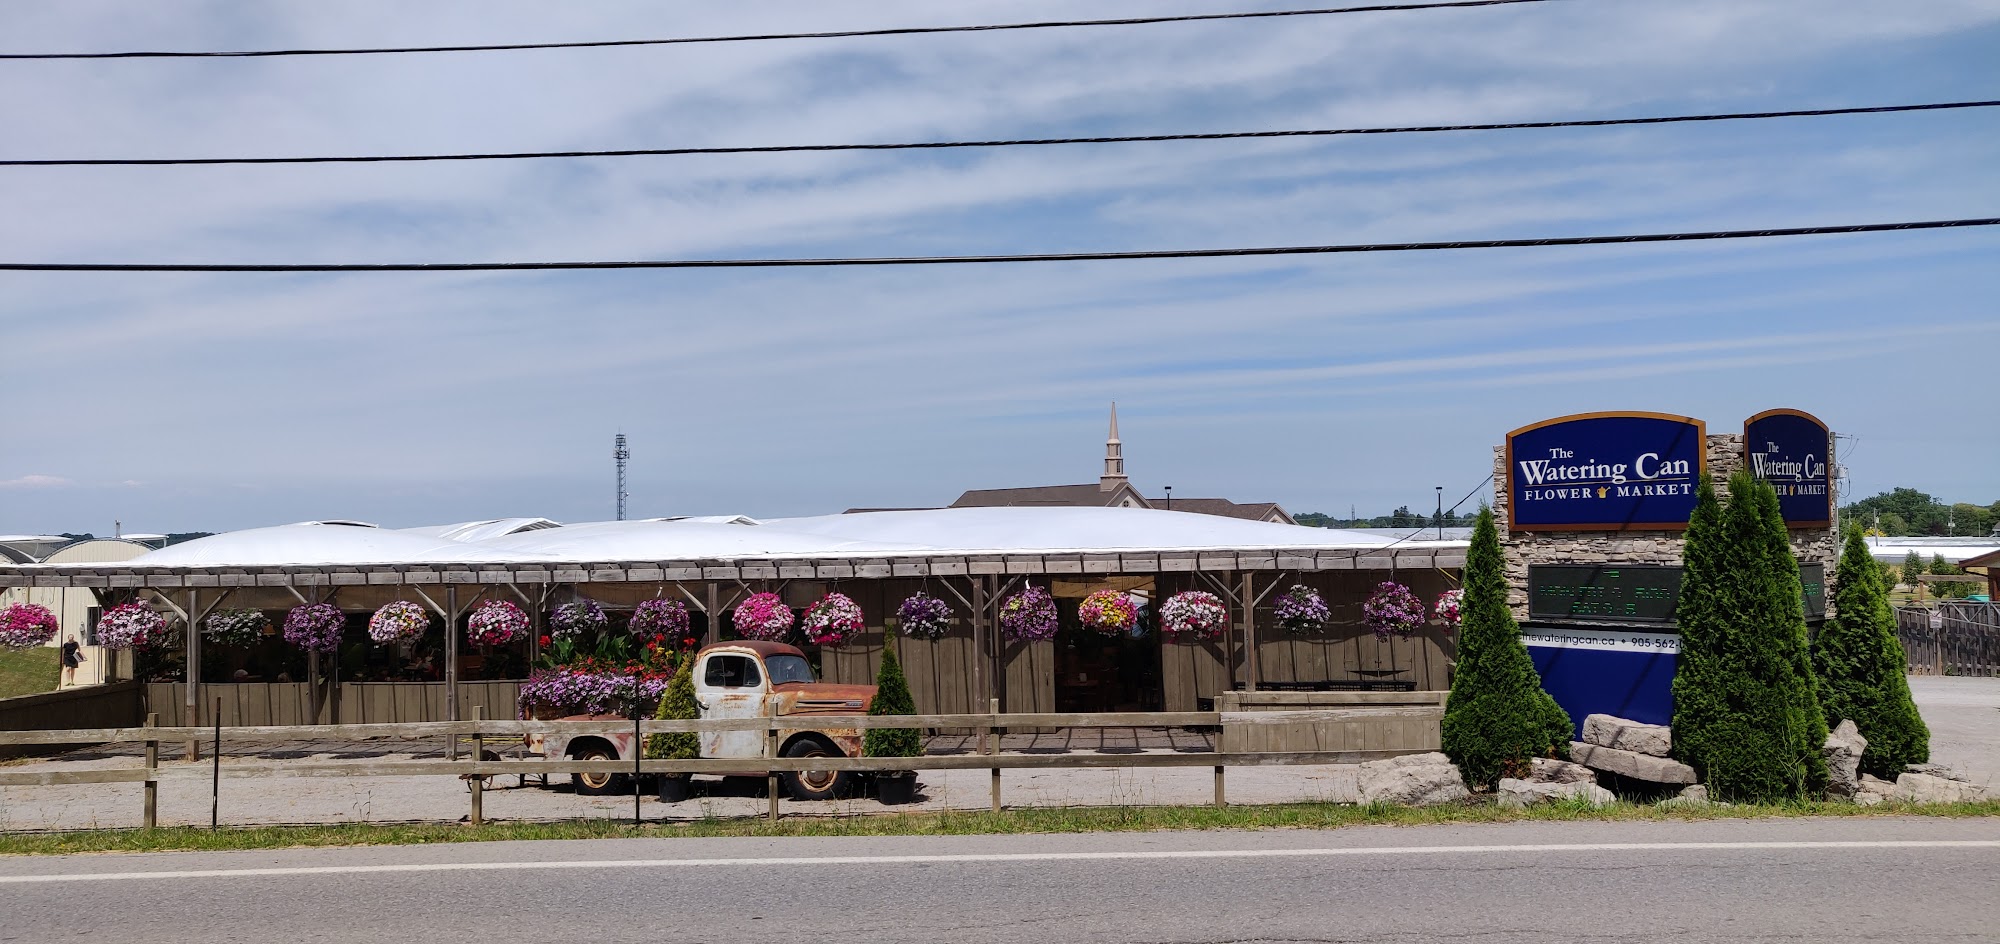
column 1633, row 595
column 1605, row 472
column 1790, row 449
column 1622, row 673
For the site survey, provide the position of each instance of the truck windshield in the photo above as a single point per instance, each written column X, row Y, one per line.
column 788, row 669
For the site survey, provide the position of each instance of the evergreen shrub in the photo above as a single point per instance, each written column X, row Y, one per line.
column 892, row 697
column 1861, row 666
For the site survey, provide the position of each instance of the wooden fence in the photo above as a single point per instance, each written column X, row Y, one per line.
column 476, row 767
column 247, row 704
column 1966, row 641
column 92, row 706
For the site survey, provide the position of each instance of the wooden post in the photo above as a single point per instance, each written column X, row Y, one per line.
column 191, row 674
column 714, row 613
column 451, row 665
column 771, row 752
column 1253, row 670
column 980, row 630
column 993, row 747
column 478, row 783
column 152, row 817
column 1220, row 802
column 215, row 783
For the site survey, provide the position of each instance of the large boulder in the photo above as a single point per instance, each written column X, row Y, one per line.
column 1550, row 770
column 1631, row 764
column 1620, row 734
column 1691, row 795
column 1516, row 794
column 1872, row 790
column 1844, row 745
column 1412, row 780
column 1937, row 770
column 1925, row 788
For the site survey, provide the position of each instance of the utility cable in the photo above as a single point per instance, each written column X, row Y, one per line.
column 762, row 37
column 1002, row 258
column 998, row 143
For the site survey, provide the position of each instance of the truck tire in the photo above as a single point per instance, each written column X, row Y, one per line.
column 815, row 784
column 598, row 784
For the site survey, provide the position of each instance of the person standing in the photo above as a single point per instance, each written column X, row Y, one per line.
column 72, row 656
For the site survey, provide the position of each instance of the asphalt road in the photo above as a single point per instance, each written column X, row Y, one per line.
column 1896, row 880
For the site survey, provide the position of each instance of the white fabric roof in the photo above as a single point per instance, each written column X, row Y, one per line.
column 316, row 544
column 1071, row 530
column 1892, row 550
column 481, row 530
column 679, row 540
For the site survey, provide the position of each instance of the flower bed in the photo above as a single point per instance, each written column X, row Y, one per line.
column 129, row 625
column 495, row 623
column 1302, row 611
column 924, row 616
column 1392, row 610
column 23, row 625
column 1029, row 615
column 1193, row 616
column 590, row 688
column 833, row 620
column 1110, row 612
column 577, row 619
column 234, row 627
column 763, row 616
column 398, row 622
column 315, row 627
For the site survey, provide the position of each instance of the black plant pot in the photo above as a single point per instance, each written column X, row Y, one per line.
column 896, row 790
column 673, row 789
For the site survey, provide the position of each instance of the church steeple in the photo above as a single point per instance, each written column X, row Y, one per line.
column 1114, row 457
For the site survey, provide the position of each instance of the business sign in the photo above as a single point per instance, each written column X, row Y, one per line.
column 1605, row 472
column 1627, row 674
column 1637, row 595
column 1789, row 449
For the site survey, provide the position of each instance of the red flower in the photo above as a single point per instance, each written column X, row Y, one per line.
column 545, row 640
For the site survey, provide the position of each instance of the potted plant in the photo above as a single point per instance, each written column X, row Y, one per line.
column 892, row 697
column 678, row 704
column 576, row 619
column 1449, row 607
column 315, row 627
column 1110, row 612
column 1193, row 616
column 1029, row 615
column 397, row 623
column 495, row 623
column 665, row 622
column 924, row 616
column 1301, row 611
column 763, row 616
column 234, row 627
column 128, row 626
column 23, row 625
column 1393, row 610
column 833, row 620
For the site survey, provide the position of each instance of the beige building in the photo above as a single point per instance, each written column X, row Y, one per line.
column 76, row 608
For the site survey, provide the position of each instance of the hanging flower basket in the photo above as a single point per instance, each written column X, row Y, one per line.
column 1193, row 616
column 833, row 620
column 924, row 616
column 763, row 616
column 27, row 624
column 1029, row 615
column 662, row 619
column 234, row 627
column 1450, row 607
column 398, row 622
column 129, row 625
column 315, row 627
column 1392, row 610
column 495, row 623
column 577, row 619
column 1110, row 612
column 1302, row 611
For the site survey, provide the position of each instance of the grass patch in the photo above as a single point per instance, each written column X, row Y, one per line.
column 29, row 671
column 1010, row 822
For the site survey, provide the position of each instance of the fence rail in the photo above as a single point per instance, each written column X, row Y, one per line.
column 477, row 766
column 1966, row 640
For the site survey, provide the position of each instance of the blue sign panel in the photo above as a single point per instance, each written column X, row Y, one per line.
column 1790, row 450
column 1605, row 472
column 1629, row 675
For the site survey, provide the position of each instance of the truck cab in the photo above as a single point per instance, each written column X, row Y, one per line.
column 743, row 679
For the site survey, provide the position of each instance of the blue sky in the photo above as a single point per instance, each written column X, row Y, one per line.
column 176, row 402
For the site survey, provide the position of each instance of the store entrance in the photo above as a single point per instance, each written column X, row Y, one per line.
column 1095, row 672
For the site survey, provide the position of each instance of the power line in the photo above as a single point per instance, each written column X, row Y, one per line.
column 962, row 260
column 761, row 37
column 1000, row 142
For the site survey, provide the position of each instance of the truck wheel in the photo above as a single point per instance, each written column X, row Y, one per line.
column 598, row 784
column 815, row 784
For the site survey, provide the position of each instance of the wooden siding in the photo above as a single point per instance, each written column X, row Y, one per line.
column 116, row 705
column 257, row 704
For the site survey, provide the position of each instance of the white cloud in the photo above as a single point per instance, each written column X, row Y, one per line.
column 36, row 481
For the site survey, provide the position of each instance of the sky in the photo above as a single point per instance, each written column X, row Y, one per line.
column 175, row 402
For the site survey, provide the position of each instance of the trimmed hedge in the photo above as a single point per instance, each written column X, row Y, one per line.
column 1861, row 666
column 892, row 697
column 1497, row 716
column 678, row 704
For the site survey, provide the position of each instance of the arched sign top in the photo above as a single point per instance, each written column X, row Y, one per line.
column 1793, row 450
column 1616, row 471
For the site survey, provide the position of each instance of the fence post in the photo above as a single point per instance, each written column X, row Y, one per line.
column 771, row 752
column 1220, row 801
column 993, row 747
column 153, row 774
column 478, row 783
column 215, row 780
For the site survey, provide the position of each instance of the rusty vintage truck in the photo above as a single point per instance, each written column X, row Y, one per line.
column 739, row 680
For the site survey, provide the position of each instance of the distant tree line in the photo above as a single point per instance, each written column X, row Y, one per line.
column 1906, row 512
column 1402, row 517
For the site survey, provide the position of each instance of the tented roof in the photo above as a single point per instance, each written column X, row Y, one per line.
column 314, row 544
column 1893, row 550
column 1074, row 530
column 481, row 530
column 680, row 540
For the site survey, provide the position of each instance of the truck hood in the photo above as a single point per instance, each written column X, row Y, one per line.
column 823, row 697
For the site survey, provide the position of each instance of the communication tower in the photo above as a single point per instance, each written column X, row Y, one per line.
column 620, row 454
